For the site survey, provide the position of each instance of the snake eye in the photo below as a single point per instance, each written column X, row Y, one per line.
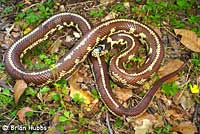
column 99, row 50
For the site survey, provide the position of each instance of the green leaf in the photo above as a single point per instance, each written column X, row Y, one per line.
column 55, row 96
column 119, row 123
column 41, row 8
column 182, row 4
column 29, row 114
column 5, row 100
column 32, row 18
column 31, row 91
column 52, row 111
column 20, row 16
column 97, row 13
column 67, row 114
column 192, row 19
column 62, row 118
column 6, row 91
column 95, row 94
column 118, row 7
column 42, row 56
column 76, row 98
column 134, row 9
column 44, row 89
column 49, row 61
column 170, row 88
column 88, row 132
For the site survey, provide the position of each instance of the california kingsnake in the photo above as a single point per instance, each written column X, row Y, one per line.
column 114, row 31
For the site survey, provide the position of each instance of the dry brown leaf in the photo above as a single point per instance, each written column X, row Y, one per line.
column 189, row 39
column 123, row 94
column 186, row 100
column 76, row 89
column 55, row 46
column 21, row 113
column 19, row 88
column 185, row 128
column 144, row 123
column 174, row 114
column 15, row 34
column 110, row 16
column 170, row 67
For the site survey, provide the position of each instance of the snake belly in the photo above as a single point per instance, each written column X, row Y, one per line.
column 65, row 66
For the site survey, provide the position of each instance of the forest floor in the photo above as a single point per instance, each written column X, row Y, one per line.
column 74, row 105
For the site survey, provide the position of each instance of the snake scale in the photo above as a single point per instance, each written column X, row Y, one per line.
column 117, row 31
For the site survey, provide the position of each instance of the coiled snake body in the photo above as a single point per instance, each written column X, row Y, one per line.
column 116, row 31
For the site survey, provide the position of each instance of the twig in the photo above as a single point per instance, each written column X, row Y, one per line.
column 195, row 117
column 11, row 121
column 108, row 123
column 170, row 32
column 2, row 84
column 80, row 3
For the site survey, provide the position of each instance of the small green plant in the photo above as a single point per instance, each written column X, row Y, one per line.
column 65, row 117
column 8, row 10
column 60, row 83
column 36, row 14
column 196, row 61
column 43, row 61
column 64, row 120
column 97, row 13
column 55, row 96
column 153, row 12
column 135, row 59
column 6, row 97
column 88, row 132
column 119, row 7
column 78, row 99
column 164, row 130
column 119, row 123
column 30, row 91
column 170, row 88
column 95, row 94
column 29, row 114
column 44, row 89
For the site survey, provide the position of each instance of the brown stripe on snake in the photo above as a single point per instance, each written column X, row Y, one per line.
column 80, row 51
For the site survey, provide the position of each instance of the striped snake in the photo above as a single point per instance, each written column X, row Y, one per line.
column 117, row 31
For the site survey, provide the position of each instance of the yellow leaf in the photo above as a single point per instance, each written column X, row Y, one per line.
column 194, row 89
column 76, row 89
column 189, row 39
column 27, row 30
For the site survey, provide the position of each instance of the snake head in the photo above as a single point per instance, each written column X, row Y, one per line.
column 99, row 50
